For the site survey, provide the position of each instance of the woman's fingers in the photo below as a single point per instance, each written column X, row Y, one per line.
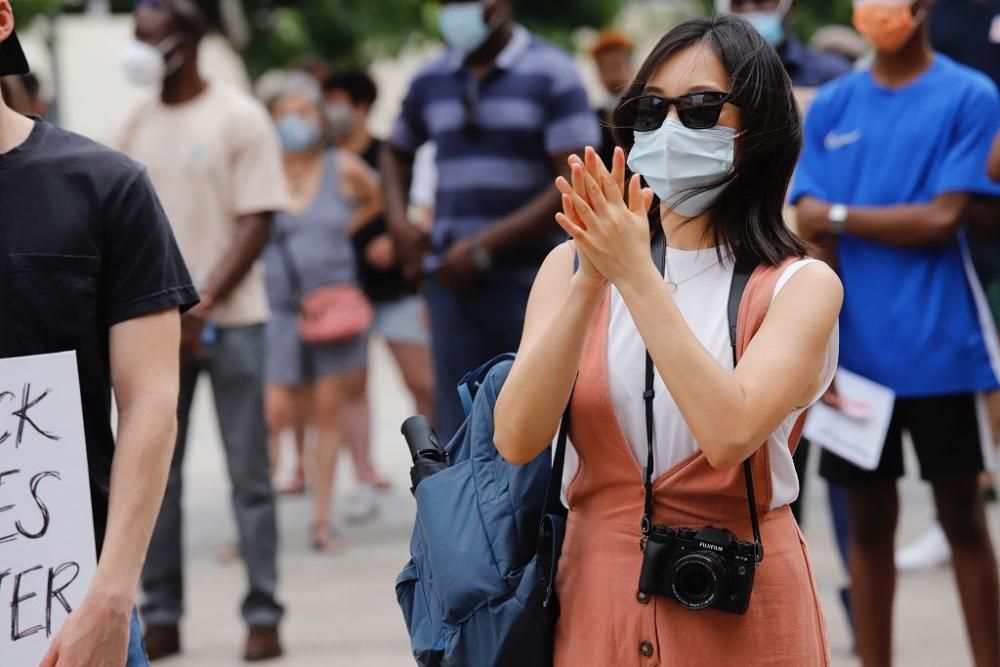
column 563, row 186
column 637, row 201
column 618, row 168
column 577, row 174
column 568, row 225
column 597, row 200
column 584, row 213
column 596, row 170
column 569, row 210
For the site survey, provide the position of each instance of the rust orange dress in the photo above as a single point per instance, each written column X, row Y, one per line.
column 602, row 622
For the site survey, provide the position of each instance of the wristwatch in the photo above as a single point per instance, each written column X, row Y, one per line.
column 481, row 257
column 836, row 218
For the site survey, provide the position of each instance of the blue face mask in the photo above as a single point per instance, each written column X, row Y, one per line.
column 770, row 25
column 676, row 160
column 297, row 135
column 463, row 26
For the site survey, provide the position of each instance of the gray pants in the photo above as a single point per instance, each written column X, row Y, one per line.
column 235, row 366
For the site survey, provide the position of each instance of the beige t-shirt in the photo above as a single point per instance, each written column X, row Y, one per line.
column 212, row 160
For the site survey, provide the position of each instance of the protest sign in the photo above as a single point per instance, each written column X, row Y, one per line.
column 47, row 552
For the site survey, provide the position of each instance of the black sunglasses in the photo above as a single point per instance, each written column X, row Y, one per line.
column 697, row 111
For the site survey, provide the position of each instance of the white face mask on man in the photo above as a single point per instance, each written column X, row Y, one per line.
column 676, row 160
column 464, row 27
column 146, row 65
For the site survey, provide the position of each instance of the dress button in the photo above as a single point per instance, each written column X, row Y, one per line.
column 646, row 649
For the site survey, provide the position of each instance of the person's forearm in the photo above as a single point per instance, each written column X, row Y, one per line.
column 396, row 169
column 533, row 220
column 367, row 210
column 712, row 401
column 935, row 223
column 994, row 163
column 252, row 234
column 535, row 393
column 147, row 429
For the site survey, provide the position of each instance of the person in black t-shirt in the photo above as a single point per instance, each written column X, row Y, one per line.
column 83, row 235
column 399, row 312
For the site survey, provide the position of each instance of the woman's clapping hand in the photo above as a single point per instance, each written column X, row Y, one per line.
column 611, row 235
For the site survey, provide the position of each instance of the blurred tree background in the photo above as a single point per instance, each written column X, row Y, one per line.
column 276, row 33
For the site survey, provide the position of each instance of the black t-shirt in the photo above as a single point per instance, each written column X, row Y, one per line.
column 379, row 284
column 84, row 245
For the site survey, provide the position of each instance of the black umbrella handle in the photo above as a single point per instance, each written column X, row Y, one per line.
column 422, row 441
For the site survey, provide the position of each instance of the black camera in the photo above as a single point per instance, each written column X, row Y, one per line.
column 702, row 569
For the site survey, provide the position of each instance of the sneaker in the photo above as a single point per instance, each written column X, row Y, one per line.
column 263, row 643
column 162, row 641
column 361, row 505
column 930, row 551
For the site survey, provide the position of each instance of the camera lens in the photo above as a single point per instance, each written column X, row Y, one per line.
column 699, row 580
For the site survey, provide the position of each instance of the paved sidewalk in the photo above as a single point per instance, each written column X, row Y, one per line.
column 342, row 610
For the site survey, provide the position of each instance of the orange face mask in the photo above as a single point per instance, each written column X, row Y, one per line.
column 886, row 27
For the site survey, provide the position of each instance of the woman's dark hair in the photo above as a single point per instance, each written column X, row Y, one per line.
column 356, row 83
column 747, row 215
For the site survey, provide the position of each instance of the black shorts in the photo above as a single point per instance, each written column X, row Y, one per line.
column 948, row 437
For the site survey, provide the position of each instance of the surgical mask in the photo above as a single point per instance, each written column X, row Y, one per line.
column 770, row 25
column 340, row 121
column 675, row 160
column 146, row 65
column 886, row 24
column 297, row 135
column 463, row 26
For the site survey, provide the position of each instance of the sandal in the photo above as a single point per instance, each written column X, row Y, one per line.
column 327, row 539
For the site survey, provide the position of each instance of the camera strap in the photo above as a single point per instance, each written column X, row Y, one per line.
column 741, row 278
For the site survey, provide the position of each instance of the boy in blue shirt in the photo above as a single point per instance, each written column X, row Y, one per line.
column 892, row 156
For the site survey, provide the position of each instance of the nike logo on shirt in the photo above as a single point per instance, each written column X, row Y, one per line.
column 835, row 141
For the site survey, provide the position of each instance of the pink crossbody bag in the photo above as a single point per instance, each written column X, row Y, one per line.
column 329, row 314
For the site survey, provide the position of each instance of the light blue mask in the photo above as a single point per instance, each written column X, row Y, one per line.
column 463, row 26
column 770, row 25
column 675, row 160
column 297, row 135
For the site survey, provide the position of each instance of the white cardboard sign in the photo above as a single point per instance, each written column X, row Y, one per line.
column 858, row 431
column 47, row 552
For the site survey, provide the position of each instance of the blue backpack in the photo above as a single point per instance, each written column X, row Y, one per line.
column 479, row 587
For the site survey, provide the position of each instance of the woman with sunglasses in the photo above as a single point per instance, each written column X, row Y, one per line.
column 710, row 123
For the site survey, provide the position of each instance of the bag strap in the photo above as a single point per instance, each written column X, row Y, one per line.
column 553, row 493
column 741, row 278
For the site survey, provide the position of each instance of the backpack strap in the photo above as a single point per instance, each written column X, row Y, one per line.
column 741, row 278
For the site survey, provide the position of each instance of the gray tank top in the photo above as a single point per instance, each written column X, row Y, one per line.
column 318, row 241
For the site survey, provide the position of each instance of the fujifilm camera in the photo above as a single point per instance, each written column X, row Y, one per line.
column 702, row 569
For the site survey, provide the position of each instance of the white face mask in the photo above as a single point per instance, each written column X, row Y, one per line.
column 146, row 65
column 675, row 160
column 339, row 121
column 463, row 27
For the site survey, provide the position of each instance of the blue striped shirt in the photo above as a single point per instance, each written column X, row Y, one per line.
column 495, row 154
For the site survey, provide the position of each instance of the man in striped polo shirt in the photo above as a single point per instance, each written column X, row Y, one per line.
column 505, row 110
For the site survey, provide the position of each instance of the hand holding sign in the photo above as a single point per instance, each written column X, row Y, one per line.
column 853, row 422
column 47, row 553
column 96, row 634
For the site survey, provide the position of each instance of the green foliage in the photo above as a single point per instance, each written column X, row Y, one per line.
column 25, row 11
column 352, row 32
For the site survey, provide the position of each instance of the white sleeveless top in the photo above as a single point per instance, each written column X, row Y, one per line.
column 703, row 301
